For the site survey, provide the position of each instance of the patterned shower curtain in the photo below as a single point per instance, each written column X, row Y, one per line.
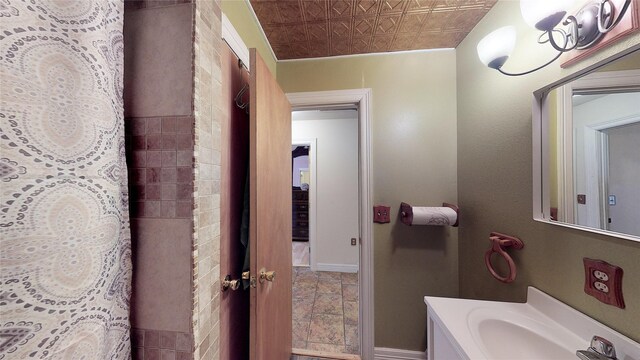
column 65, row 255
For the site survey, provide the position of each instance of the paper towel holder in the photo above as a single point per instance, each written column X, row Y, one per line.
column 406, row 213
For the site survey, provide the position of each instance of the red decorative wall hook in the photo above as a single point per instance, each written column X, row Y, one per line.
column 499, row 242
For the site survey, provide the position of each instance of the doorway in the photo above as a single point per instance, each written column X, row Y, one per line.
column 325, row 210
column 358, row 278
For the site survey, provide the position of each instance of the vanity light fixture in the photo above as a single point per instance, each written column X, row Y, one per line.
column 579, row 31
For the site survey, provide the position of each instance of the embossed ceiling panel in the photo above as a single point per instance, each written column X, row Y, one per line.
column 299, row 29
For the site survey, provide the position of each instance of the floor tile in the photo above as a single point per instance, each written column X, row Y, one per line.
column 349, row 278
column 302, row 308
column 328, row 285
column 351, row 313
column 328, row 304
column 350, row 292
column 300, row 330
column 329, row 275
column 351, row 335
column 326, row 329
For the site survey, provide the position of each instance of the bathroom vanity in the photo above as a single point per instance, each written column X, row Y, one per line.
column 541, row 328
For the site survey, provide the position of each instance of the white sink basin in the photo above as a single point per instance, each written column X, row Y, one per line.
column 541, row 328
column 513, row 335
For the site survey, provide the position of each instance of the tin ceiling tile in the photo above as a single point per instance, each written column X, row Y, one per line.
column 318, row 31
column 412, row 23
column 313, row 28
column 290, row 11
column 387, row 25
column 393, row 6
column 360, row 45
column 367, row 8
column 340, row 29
column 266, row 12
column 403, row 42
column 364, row 26
column 319, row 49
column 297, row 32
column 315, row 10
column 277, row 34
column 341, row 9
column 381, row 43
column 419, row 5
column 340, row 46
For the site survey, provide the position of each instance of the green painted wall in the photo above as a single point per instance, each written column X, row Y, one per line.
column 413, row 134
column 248, row 27
column 495, row 183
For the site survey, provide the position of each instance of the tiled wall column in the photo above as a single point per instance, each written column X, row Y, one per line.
column 160, row 129
column 206, row 291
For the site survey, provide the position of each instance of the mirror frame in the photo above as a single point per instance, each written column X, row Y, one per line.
column 540, row 147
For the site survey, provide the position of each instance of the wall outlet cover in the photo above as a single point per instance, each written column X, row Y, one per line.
column 381, row 214
column 603, row 281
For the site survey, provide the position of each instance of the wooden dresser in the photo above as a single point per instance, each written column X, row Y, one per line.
column 300, row 208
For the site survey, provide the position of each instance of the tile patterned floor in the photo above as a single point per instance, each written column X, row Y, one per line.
column 325, row 311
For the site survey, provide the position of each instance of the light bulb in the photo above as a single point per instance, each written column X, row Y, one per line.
column 495, row 48
column 544, row 14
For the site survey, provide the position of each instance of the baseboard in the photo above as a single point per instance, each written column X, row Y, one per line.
column 337, row 268
column 398, row 354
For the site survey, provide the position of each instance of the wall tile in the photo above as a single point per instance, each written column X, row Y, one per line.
column 152, row 339
column 183, row 342
column 162, row 299
column 168, row 340
column 157, row 40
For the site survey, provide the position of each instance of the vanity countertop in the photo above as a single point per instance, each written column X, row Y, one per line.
column 541, row 328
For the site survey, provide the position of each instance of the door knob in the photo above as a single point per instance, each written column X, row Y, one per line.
column 227, row 283
column 267, row 275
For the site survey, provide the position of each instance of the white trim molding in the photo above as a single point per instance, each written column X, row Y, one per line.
column 361, row 98
column 233, row 39
column 398, row 354
column 345, row 268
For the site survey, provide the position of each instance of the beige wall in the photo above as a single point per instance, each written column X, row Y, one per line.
column 495, row 183
column 413, row 134
column 248, row 28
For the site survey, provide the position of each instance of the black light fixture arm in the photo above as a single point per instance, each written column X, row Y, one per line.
column 530, row 71
column 601, row 21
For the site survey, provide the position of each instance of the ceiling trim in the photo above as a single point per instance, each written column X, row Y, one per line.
column 369, row 54
column 264, row 35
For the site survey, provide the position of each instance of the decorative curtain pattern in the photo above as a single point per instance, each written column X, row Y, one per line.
column 65, row 258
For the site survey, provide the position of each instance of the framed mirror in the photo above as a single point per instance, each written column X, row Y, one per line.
column 587, row 149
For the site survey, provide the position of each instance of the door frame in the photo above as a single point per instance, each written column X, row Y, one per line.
column 567, row 207
column 312, row 143
column 361, row 98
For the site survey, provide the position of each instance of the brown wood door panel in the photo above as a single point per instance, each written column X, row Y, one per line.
column 234, row 305
column 270, row 225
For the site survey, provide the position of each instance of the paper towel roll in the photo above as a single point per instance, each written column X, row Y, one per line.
column 421, row 215
column 433, row 216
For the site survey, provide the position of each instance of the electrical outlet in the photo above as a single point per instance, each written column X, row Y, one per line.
column 354, row 242
column 601, row 286
column 601, row 275
column 603, row 281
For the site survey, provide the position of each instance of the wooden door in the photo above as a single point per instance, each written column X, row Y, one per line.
column 270, row 215
column 234, row 305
